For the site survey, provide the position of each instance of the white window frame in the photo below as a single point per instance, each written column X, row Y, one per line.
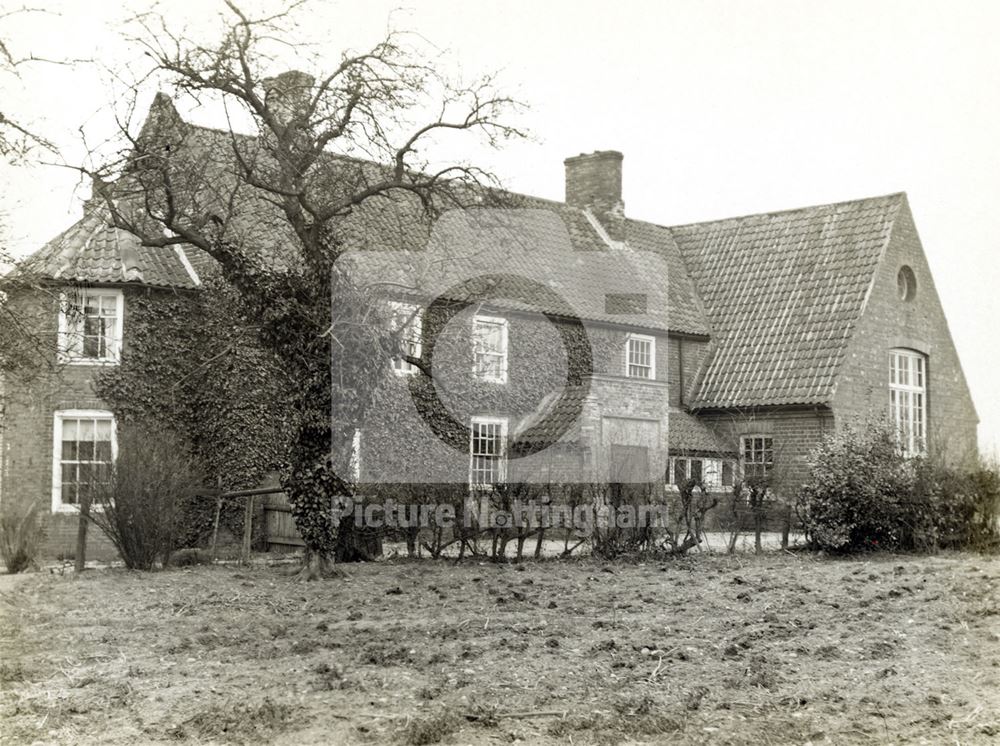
column 651, row 367
column 501, row 460
column 908, row 400
column 413, row 315
column 502, row 354
column 58, row 506
column 764, row 449
column 77, row 299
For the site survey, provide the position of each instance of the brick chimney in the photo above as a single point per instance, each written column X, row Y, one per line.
column 594, row 182
column 288, row 95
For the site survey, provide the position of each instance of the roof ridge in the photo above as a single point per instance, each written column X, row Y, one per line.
column 563, row 203
column 788, row 211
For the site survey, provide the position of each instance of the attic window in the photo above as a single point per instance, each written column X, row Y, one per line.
column 90, row 326
column 906, row 283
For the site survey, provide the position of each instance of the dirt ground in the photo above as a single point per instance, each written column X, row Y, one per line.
column 780, row 648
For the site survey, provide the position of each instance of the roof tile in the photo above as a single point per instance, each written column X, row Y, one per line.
column 782, row 292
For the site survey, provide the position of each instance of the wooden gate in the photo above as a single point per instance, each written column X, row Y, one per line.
column 279, row 526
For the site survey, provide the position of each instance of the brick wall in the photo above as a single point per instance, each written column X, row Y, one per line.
column 28, row 424
column 594, row 180
column 795, row 432
column 398, row 445
column 685, row 357
column 919, row 324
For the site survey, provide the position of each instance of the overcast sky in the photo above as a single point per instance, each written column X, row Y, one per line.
column 721, row 108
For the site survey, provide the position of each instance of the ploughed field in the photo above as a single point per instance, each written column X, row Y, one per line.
column 781, row 648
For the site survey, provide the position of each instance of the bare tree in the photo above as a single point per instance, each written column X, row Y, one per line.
column 17, row 137
column 275, row 210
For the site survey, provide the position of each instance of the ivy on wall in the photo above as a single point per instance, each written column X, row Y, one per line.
column 191, row 365
column 539, row 364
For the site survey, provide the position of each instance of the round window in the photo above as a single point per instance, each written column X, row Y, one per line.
column 906, row 281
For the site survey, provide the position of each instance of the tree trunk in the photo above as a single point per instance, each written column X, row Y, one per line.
column 311, row 483
column 733, row 538
column 539, row 542
column 319, row 566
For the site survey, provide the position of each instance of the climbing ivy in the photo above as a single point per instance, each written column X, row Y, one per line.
column 191, row 364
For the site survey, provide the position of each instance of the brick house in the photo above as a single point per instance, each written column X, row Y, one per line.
column 755, row 337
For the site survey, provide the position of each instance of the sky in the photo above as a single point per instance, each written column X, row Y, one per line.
column 720, row 108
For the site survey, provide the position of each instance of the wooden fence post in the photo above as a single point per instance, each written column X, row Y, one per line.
column 218, row 510
column 247, row 530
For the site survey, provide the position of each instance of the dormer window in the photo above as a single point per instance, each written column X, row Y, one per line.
column 640, row 357
column 489, row 343
column 90, row 326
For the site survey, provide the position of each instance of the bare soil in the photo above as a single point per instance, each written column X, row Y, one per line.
column 779, row 649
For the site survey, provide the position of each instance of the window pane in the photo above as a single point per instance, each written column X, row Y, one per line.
column 680, row 470
column 102, row 451
column 696, row 469
column 102, row 430
column 727, row 474
column 639, row 354
column 70, row 430
column 85, row 473
column 487, row 337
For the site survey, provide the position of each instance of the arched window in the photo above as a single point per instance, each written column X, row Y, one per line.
column 908, row 400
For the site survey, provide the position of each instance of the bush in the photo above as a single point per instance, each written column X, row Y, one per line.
column 139, row 506
column 862, row 494
column 956, row 508
column 21, row 536
column 858, row 493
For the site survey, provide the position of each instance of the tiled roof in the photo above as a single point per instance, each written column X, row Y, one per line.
column 551, row 242
column 91, row 251
column 782, row 292
column 689, row 434
column 556, row 419
column 685, row 309
column 552, row 259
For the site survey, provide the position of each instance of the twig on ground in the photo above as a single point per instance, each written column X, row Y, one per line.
column 656, row 671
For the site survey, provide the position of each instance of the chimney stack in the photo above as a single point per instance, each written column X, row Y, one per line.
column 288, row 95
column 594, row 182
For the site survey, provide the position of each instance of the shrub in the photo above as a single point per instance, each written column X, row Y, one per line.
column 20, row 537
column 955, row 508
column 858, row 492
column 190, row 556
column 862, row 494
column 139, row 505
